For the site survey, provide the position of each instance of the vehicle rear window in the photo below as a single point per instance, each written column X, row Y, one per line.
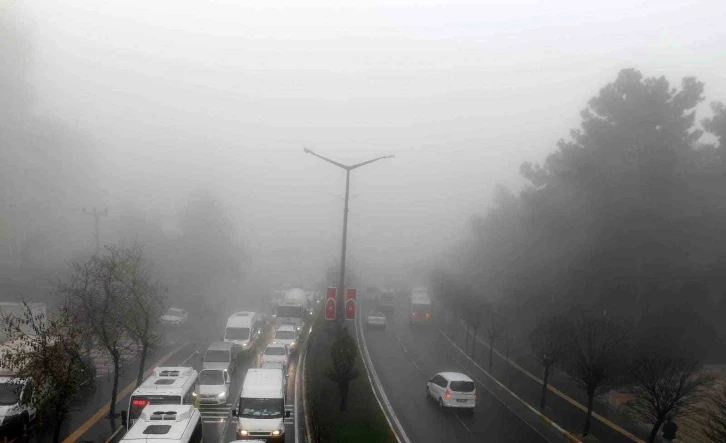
column 275, row 350
column 421, row 308
column 237, row 333
column 462, row 386
column 285, row 335
column 217, row 356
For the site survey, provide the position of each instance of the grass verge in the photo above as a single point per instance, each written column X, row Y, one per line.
column 364, row 421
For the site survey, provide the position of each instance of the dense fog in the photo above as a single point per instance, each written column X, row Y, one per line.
column 187, row 120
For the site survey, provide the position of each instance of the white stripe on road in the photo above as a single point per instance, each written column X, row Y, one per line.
column 401, row 343
column 414, row 363
column 462, row 423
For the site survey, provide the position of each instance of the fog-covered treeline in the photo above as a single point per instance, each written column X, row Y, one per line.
column 627, row 216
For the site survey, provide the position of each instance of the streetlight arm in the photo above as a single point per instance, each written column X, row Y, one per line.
column 340, row 165
column 369, row 161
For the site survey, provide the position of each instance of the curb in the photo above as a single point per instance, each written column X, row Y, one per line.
column 378, row 392
column 302, row 391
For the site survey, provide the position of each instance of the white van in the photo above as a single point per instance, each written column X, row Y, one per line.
column 166, row 424
column 242, row 329
column 167, row 385
column 261, row 408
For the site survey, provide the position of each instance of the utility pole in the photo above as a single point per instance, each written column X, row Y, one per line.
column 97, row 216
column 340, row 315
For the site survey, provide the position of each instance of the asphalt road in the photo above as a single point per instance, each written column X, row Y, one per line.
column 405, row 359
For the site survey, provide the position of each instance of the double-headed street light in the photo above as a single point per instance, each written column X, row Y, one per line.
column 340, row 314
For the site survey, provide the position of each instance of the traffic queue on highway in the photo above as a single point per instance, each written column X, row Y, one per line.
column 165, row 408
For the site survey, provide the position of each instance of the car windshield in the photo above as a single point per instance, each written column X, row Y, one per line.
column 211, row 378
column 138, row 403
column 173, row 312
column 462, row 386
column 421, row 308
column 10, row 393
column 213, row 356
column 289, row 311
column 237, row 333
column 260, row 407
column 285, row 335
column 275, row 350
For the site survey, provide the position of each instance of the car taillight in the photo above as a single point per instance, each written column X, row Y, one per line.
column 428, row 315
column 263, row 361
column 447, row 394
column 413, row 315
column 140, row 402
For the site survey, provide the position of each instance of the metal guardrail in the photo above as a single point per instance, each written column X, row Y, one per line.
column 378, row 391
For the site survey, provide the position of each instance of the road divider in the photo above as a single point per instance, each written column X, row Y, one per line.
column 377, row 388
column 301, row 392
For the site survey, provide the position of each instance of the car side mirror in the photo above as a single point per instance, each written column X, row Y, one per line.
column 234, row 413
column 288, row 414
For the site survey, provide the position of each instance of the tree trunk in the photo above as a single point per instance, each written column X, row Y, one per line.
column 114, row 390
column 59, row 419
column 473, row 343
column 543, row 396
column 343, row 386
column 588, row 417
column 491, row 354
column 654, row 431
column 142, row 363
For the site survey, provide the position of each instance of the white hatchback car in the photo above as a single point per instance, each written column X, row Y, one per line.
column 276, row 353
column 174, row 316
column 376, row 319
column 286, row 335
column 214, row 386
column 452, row 390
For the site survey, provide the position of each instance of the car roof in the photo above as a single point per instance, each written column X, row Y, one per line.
column 263, row 383
column 177, row 417
column 455, row 376
column 220, row 346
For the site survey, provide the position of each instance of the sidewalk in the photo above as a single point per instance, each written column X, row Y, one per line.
column 566, row 410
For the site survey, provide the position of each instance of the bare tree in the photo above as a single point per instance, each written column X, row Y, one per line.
column 596, row 349
column 145, row 302
column 343, row 353
column 548, row 343
column 97, row 293
column 665, row 386
column 715, row 416
column 48, row 362
column 495, row 328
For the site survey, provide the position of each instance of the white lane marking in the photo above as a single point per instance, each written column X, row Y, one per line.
column 414, row 363
column 401, row 343
column 462, row 423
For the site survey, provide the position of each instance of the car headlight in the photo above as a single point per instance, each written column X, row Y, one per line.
column 292, row 344
column 243, row 432
column 246, row 345
column 276, row 433
column 222, row 394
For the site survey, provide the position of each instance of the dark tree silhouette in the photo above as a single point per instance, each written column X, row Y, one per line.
column 343, row 353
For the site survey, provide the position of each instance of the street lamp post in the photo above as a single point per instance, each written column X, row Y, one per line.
column 340, row 314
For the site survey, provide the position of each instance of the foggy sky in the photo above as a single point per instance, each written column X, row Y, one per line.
column 181, row 95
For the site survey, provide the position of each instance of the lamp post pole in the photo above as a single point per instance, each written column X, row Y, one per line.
column 340, row 300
